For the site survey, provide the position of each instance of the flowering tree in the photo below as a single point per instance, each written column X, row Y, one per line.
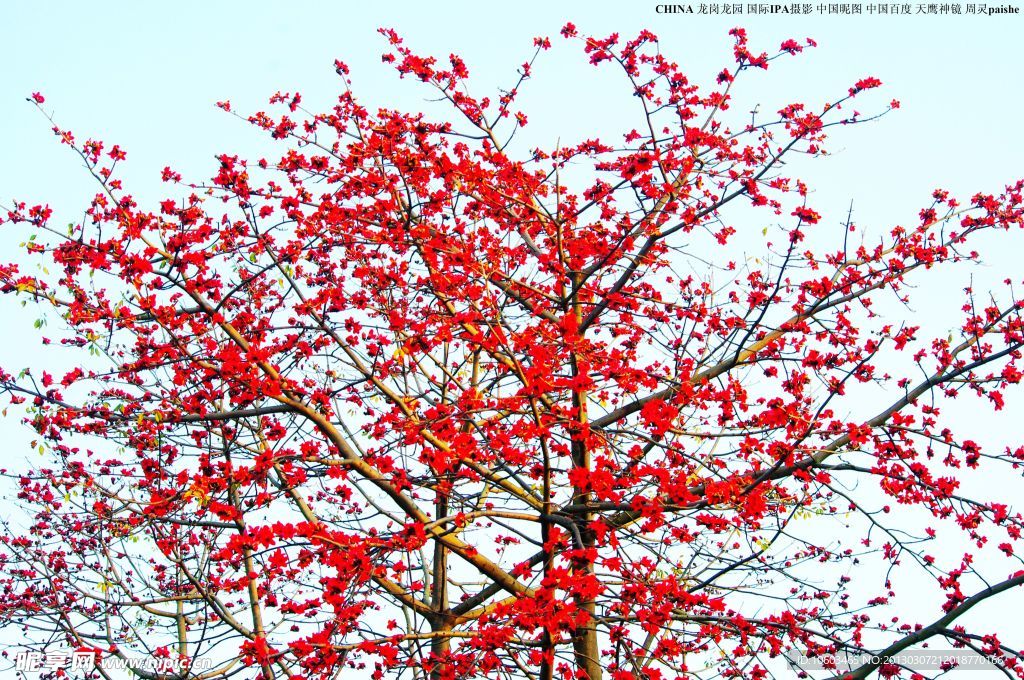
column 414, row 400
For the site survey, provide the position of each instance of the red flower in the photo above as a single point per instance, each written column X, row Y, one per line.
column 865, row 84
column 791, row 46
column 806, row 215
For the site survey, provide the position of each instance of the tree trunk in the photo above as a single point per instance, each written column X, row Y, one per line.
column 440, row 624
column 588, row 658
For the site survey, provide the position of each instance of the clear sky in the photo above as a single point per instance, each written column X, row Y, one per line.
column 146, row 76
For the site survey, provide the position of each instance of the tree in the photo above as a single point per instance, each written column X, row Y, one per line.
column 416, row 401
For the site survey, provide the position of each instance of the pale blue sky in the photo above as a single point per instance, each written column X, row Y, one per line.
column 146, row 75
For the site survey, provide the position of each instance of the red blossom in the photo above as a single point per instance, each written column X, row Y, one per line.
column 806, row 215
column 865, row 84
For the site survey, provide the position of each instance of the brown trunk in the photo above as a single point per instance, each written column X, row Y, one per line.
column 584, row 642
column 585, row 646
column 587, row 652
column 441, row 644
